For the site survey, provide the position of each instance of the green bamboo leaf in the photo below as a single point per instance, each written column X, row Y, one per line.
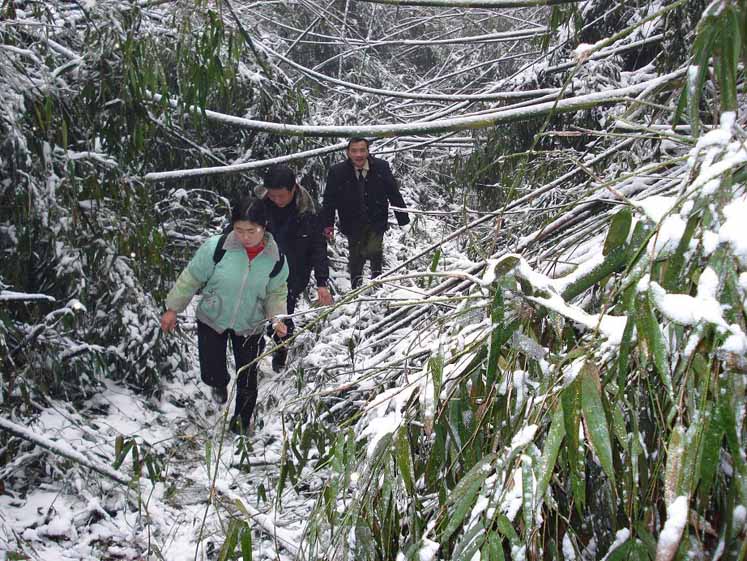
column 496, row 316
column 672, row 473
column 232, row 539
column 464, row 494
column 617, row 235
column 208, row 457
column 527, row 494
column 246, row 543
column 493, row 549
column 434, row 264
column 702, row 48
column 614, row 262
column 596, row 421
column 550, row 452
column 713, row 437
column 403, row 457
column 729, row 421
column 470, row 543
column 571, row 400
column 726, row 64
column 649, row 330
column 676, row 262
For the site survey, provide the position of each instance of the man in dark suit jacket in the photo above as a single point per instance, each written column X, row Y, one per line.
column 360, row 190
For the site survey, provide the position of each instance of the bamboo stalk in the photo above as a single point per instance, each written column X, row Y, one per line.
column 66, row 452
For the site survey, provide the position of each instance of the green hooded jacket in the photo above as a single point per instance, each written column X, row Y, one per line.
column 237, row 293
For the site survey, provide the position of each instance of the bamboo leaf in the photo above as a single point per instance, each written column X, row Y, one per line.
column 232, row 539
column 404, row 459
column 495, row 337
column 596, row 421
column 464, row 494
column 617, row 235
column 648, row 329
column 729, row 42
column 713, row 437
column 672, row 473
column 571, row 400
column 550, row 452
column 493, row 549
column 246, row 543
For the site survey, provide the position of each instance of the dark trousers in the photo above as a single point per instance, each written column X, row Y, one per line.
column 214, row 370
column 367, row 244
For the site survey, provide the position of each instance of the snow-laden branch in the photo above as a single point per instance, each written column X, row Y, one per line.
column 473, row 3
column 408, row 95
column 238, row 168
column 7, row 295
column 65, row 450
column 493, row 118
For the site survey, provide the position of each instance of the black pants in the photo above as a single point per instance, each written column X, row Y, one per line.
column 214, row 370
column 363, row 246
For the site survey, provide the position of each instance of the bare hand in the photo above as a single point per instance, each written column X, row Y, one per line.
column 281, row 330
column 329, row 233
column 168, row 321
column 324, row 296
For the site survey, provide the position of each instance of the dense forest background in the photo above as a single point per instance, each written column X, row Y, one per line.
column 553, row 365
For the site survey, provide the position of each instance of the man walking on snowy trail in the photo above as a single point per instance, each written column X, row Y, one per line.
column 296, row 226
column 360, row 190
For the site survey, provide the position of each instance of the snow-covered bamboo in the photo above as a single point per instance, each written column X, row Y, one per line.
column 66, row 451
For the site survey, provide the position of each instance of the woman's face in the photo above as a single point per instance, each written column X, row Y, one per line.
column 249, row 233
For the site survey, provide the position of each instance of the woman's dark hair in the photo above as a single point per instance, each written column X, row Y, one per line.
column 250, row 209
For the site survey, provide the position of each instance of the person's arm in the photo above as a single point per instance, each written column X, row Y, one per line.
column 187, row 284
column 276, row 301
column 329, row 206
column 320, row 262
column 394, row 196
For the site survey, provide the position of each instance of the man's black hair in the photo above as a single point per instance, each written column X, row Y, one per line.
column 251, row 210
column 358, row 139
column 280, row 177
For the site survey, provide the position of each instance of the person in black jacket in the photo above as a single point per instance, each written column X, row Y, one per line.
column 360, row 190
column 297, row 229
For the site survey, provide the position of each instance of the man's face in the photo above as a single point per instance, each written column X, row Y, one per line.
column 358, row 153
column 281, row 198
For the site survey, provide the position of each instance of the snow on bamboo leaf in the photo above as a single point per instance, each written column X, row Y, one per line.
column 463, row 496
column 595, row 418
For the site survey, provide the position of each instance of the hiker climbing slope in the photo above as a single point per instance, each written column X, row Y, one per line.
column 296, row 226
column 243, row 277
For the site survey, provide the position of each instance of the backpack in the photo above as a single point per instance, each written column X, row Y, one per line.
column 220, row 252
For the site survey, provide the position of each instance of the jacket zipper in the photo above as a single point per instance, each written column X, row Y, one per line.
column 241, row 296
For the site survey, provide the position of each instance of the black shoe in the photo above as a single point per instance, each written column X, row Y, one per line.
column 219, row 394
column 239, row 426
column 278, row 360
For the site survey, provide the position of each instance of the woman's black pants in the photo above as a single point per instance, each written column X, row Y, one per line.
column 214, row 370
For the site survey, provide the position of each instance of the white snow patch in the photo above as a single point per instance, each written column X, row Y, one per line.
column 670, row 536
column 621, row 536
column 734, row 229
column 428, row 550
column 523, row 437
column 656, row 206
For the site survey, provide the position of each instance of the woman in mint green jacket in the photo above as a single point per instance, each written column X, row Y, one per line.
column 243, row 280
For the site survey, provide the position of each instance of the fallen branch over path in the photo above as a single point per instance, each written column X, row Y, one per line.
column 64, row 450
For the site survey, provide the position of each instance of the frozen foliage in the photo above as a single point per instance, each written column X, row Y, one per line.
column 545, row 363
